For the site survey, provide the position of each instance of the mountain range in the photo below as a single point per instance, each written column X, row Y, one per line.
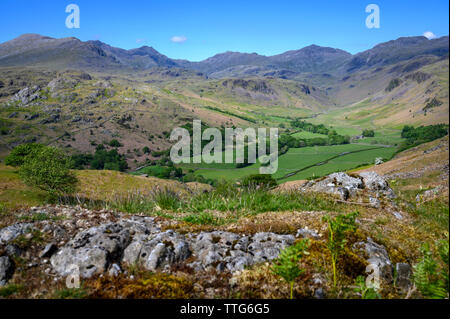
column 37, row 50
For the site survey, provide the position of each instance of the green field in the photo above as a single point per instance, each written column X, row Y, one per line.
column 305, row 162
column 383, row 137
column 307, row 135
column 343, row 163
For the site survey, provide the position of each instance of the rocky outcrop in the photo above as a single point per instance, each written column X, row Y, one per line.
column 61, row 83
column 10, row 233
column 89, row 243
column 377, row 184
column 27, row 95
column 226, row 251
column 137, row 241
column 346, row 186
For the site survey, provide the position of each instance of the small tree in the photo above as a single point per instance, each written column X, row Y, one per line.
column 368, row 133
column 338, row 228
column 48, row 168
column 286, row 265
column 18, row 154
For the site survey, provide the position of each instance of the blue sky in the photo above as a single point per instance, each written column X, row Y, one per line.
column 209, row 27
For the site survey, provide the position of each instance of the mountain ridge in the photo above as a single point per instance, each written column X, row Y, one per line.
column 35, row 49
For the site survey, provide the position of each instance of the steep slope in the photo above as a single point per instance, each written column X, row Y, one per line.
column 36, row 50
column 399, row 50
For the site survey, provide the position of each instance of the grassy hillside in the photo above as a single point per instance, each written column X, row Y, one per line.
column 94, row 185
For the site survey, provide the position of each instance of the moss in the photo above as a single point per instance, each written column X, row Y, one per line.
column 9, row 290
column 259, row 282
column 151, row 286
column 25, row 241
column 75, row 293
column 351, row 265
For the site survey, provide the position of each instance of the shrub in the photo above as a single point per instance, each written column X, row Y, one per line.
column 111, row 160
column 48, row 168
column 18, row 154
column 10, row 290
column 115, row 143
column 286, row 265
column 80, row 161
column 259, row 181
column 393, row 84
column 368, row 133
column 167, row 199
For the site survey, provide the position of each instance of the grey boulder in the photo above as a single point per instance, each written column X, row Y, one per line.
column 377, row 256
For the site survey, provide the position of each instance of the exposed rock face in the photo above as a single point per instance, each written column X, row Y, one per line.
column 138, row 241
column 27, row 95
column 232, row 252
column 339, row 184
column 307, row 233
column 429, row 194
column 346, row 186
column 92, row 250
column 376, row 255
column 12, row 232
column 157, row 251
column 60, row 83
column 376, row 183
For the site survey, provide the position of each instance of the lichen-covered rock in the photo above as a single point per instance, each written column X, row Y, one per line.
column 376, row 183
column 339, row 184
column 232, row 252
column 345, row 186
column 307, row 233
column 60, row 83
column 26, row 95
column 12, row 232
column 267, row 246
column 376, row 255
column 374, row 202
column 92, row 250
column 157, row 251
column 88, row 260
column 139, row 241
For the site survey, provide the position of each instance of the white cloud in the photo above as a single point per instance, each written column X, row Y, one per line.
column 140, row 41
column 429, row 35
column 178, row 39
